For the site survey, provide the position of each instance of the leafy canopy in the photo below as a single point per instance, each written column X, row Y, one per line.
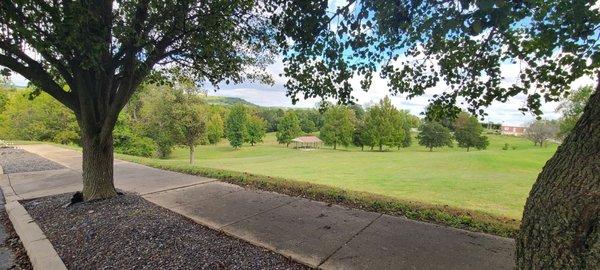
column 468, row 132
column 338, row 126
column 257, row 129
column 235, row 126
column 461, row 45
column 92, row 55
column 434, row 135
column 288, row 128
column 214, row 128
column 384, row 124
column 572, row 109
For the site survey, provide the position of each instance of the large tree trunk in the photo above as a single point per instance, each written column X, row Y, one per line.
column 561, row 223
column 97, row 167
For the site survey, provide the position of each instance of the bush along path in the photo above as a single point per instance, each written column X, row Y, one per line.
column 315, row 233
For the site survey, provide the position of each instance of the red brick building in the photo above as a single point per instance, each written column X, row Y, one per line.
column 512, row 130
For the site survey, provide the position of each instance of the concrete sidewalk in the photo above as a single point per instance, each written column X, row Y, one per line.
column 314, row 233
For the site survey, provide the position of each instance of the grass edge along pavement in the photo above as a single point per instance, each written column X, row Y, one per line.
column 445, row 215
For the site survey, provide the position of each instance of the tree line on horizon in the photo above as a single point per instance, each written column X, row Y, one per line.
column 160, row 117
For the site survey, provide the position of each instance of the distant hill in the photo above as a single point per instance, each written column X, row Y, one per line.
column 228, row 101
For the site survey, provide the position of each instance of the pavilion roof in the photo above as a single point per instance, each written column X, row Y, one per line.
column 307, row 139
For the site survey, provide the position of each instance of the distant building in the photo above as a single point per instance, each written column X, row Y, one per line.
column 512, row 130
column 307, row 142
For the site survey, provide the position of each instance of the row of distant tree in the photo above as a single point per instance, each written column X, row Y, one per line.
column 159, row 117
column 542, row 130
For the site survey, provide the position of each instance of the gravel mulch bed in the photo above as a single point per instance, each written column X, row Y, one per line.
column 17, row 256
column 12, row 242
column 15, row 160
column 129, row 232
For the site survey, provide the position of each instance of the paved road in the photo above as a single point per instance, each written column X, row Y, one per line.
column 315, row 233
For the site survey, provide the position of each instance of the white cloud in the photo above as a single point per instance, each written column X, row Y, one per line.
column 275, row 95
column 498, row 112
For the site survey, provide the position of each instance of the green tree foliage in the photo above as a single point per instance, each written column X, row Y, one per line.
column 288, row 128
column 128, row 142
column 572, row 108
column 3, row 99
column 408, row 121
column 271, row 116
column 358, row 136
column 152, row 115
column 385, row 126
column 214, row 128
column 189, row 113
column 359, row 111
column 468, row 132
column 41, row 119
column 338, row 126
column 103, row 50
column 307, row 125
column 540, row 131
column 235, row 126
column 434, row 135
column 256, row 129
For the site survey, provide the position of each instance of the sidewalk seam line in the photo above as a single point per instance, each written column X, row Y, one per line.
column 180, row 187
column 210, row 197
column 259, row 213
column 351, row 238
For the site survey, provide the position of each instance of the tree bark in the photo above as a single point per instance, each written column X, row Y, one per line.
column 192, row 152
column 97, row 166
column 561, row 222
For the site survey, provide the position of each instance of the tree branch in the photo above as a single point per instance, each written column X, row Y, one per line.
column 35, row 73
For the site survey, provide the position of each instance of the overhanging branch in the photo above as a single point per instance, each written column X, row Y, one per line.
column 37, row 75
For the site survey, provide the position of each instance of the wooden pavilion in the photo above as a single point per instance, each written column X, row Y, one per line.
column 307, row 142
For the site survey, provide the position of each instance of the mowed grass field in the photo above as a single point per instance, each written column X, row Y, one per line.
column 492, row 181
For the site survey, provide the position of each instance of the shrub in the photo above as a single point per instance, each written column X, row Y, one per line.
column 66, row 137
column 127, row 142
column 140, row 146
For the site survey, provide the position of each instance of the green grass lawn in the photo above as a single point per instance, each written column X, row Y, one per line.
column 492, row 181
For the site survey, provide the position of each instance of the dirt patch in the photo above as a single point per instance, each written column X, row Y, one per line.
column 129, row 232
